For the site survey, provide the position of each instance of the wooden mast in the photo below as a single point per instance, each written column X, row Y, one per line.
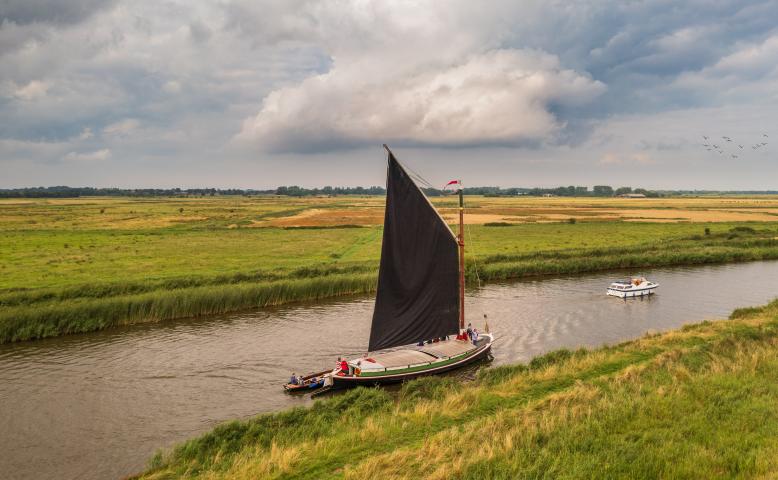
column 461, row 239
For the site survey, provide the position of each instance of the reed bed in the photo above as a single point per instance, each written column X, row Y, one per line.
column 90, row 314
column 109, row 289
column 698, row 402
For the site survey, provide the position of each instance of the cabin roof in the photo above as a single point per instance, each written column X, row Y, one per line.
column 447, row 349
column 413, row 356
column 397, row 358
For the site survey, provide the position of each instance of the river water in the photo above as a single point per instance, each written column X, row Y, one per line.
column 98, row 405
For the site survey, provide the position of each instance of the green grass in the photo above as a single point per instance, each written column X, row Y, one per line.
column 53, row 318
column 700, row 402
column 65, row 267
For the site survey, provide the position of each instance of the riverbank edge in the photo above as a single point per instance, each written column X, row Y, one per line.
column 539, row 414
column 49, row 316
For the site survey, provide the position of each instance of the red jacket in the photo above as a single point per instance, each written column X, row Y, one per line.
column 344, row 366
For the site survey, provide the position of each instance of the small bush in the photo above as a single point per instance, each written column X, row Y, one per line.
column 571, row 220
column 707, row 231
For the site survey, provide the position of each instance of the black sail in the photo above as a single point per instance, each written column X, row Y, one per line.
column 418, row 280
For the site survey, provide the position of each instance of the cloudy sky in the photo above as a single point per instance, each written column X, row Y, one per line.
column 255, row 94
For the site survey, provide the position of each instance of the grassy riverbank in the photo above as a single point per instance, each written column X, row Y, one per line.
column 699, row 402
column 80, row 265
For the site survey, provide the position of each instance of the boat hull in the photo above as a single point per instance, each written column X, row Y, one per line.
column 411, row 373
column 307, row 384
column 638, row 292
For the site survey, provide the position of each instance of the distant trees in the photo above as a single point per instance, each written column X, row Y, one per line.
column 72, row 192
column 494, row 191
column 297, row 191
column 647, row 193
column 602, row 191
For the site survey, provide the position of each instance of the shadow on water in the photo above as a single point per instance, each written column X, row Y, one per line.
column 98, row 405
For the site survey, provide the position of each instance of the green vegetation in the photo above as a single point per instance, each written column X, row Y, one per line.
column 699, row 402
column 26, row 320
column 85, row 264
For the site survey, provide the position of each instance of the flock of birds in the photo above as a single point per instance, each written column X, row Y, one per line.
column 713, row 147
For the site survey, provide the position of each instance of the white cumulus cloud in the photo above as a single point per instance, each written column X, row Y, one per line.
column 502, row 96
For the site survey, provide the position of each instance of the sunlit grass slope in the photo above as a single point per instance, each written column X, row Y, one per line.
column 700, row 402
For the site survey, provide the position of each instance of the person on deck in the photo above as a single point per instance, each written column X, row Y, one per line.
column 475, row 336
column 344, row 366
column 470, row 331
column 294, row 380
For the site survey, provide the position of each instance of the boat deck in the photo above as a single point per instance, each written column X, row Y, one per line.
column 414, row 355
column 448, row 348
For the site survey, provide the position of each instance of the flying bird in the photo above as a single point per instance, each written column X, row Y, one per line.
column 765, row 135
column 741, row 146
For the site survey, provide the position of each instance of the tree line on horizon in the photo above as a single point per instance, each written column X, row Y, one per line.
column 297, row 191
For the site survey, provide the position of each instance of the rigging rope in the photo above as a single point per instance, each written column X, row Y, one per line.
column 418, row 178
column 469, row 235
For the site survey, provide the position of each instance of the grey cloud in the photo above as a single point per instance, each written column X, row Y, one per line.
column 199, row 31
column 270, row 21
column 23, row 12
column 347, row 74
column 638, row 50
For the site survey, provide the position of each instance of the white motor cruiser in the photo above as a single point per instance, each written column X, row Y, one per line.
column 634, row 287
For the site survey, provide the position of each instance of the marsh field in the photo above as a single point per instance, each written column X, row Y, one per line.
column 84, row 264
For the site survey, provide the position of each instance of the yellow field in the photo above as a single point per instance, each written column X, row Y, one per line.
column 481, row 210
column 125, row 213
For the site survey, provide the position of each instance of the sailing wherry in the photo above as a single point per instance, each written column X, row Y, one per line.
column 418, row 325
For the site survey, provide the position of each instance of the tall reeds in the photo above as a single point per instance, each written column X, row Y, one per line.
column 89, row 314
